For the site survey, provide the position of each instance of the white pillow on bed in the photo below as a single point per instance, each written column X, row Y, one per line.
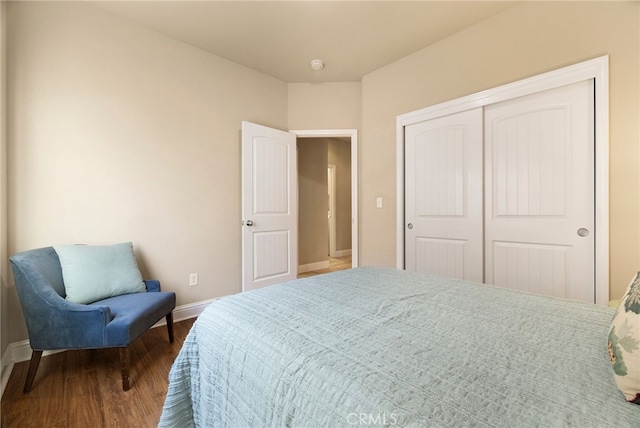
column 624, row 342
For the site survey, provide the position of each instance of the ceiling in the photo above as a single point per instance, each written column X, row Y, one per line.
column 280, row 38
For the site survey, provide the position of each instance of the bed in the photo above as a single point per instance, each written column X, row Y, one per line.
column 383, row 347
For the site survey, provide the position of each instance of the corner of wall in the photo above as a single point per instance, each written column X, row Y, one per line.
column 4, row 263
column 6, row 365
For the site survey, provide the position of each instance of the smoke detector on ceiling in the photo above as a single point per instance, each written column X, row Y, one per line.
column 317, row 64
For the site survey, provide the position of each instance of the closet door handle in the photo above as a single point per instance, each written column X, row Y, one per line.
column 583, row 232
column 410, row 226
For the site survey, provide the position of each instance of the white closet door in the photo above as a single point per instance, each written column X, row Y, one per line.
column 539, row 193
column 443, row 191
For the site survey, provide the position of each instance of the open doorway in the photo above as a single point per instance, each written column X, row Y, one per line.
column 327, row 201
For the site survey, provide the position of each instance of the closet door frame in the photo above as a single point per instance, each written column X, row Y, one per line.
column 596, row 69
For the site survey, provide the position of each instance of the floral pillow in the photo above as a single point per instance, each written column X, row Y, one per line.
column 624, row 343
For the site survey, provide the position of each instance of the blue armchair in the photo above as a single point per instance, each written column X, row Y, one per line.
column 53, row 323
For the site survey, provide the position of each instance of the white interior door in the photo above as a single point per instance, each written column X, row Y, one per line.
column 269, row 206
column 539, row 189
column 443, row 188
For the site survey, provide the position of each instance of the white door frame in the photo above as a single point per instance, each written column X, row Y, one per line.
column 597, row 69
column 353, row 134
column 331, row 171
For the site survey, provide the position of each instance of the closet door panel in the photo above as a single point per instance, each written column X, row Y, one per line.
column 443, row 194
column 539, row 193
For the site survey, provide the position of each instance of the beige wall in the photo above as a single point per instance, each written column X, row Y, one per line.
column 313, row 228
column 339, row 154
column 525, row 40
column 118, row 133
column 4, row 266
column 315, row 106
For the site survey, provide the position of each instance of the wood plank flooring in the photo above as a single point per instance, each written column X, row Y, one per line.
column 84, row 389
column 335, row 264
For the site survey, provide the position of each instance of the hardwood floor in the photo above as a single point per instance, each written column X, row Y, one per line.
column 335, row 264
column 84, row 389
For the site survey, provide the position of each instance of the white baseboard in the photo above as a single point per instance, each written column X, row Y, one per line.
column 313, row 266
column 185, row 312
column 20, row 351
column 7, row 368
column 343, row 253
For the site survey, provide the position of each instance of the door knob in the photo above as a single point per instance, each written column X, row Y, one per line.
column 410, row 226
column 583, row 232
column 247, row 223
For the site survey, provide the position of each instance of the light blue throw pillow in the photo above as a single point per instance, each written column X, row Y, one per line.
column 96, row 272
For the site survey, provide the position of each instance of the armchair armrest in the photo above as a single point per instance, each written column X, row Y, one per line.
column 75, row 325
column 152, row 284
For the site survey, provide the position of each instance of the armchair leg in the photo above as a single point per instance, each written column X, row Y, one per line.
column 125, row 367
column 169, row 318
column 33, row 367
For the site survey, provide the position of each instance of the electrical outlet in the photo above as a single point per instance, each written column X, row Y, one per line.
column 193, row 279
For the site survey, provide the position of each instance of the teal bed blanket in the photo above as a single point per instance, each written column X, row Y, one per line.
column 383, row 347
